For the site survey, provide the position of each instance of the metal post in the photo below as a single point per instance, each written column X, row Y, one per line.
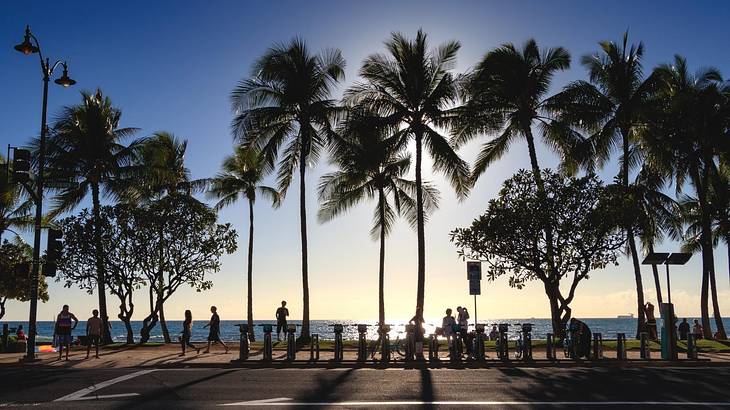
column 362, row 346
column 32, row 317
column 669, row 289
column 291, row 343
column 645, row 352
column 314, row 348
column 475, row 310
column 527, row 342
column 243, row 347
column 691, row 347
column 550, row 346
column 597, row 346
column 338, row 353
column 268, row 346
column 621, row 346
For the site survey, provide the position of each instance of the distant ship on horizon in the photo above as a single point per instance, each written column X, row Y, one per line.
column 629, row 316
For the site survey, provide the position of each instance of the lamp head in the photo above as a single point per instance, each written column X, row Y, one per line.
column 27, row 47
column 65, row 80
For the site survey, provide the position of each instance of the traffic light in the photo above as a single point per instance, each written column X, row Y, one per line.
column 55, row 246
column 21, row 165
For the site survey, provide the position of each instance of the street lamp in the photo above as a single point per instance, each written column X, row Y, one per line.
column 31, row 45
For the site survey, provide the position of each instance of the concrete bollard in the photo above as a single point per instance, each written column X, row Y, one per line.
column 339, row 352
column 362, row 343
column 597, row 346
column 621, row 346
column 291, row 343
column 478, row 349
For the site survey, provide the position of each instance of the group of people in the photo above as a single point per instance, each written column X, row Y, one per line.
column 452, row 326
column 66, row 322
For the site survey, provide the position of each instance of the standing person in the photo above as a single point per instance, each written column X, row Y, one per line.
column 281, row 314
column 20, row 334
column 93, row 332
column 418, row 336
column 683, row 329
column 697, row 330
column 187, row 333
column 63, row 329
column 214, row 335
column 447, row 324
column 650, row 321
column 494, row 334
column 463, row 319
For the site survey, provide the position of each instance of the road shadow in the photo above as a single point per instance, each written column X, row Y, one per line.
column 326, row 387
column 163, row 392
column 427, row 394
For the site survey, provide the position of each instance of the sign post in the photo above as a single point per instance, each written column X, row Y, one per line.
column 474, row 275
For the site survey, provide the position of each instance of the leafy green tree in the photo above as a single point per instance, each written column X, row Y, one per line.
column 612, row 108
column 194, row 244
column 14, row 279
column 510, row 235
column 285, row 109
column 506, row 95
column 413, row 90
column 162, row 172
column 242, row 177
column 371, row 166
column 85, row 153
column 686, row 140
column 120, row 247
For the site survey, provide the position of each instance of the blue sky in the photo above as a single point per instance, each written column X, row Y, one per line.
column 171, row 66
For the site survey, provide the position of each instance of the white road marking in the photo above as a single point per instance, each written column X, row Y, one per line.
column 259, row 402
column 478, row 403
column 80, row 395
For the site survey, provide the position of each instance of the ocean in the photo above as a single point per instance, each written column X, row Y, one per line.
column 230, row 332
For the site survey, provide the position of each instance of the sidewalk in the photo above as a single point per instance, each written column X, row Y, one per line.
column 169, row 356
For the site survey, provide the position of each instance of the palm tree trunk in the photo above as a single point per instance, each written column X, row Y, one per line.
column 249, row 303
column 641, row 317
column 420, row 229
column 709, row 257
column 304, row 335
column 553, row 277
column 381, row 273
column 641, row 321
column 657, row 283
column 2, row 306
column 706, row 248
column 99, row 256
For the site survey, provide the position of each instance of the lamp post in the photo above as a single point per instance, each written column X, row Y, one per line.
column 31, row 45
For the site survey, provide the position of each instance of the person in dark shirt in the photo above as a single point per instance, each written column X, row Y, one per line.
column 214, row 334
column 281, row 314
column 683, row 329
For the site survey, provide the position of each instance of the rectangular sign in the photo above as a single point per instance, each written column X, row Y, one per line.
column 475, row 287
column 474, row 270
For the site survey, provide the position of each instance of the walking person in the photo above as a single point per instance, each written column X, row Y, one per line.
column 93, row 332
column 187, row 333
column 63, row 329
column 281, row 314
column 697, row 330
column 683, row 329
column 214, row 335
column 447, row 325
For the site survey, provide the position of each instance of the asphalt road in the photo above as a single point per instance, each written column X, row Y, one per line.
column 365, row 388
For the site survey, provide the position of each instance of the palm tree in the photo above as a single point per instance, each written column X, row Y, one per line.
column 612, row 108
column 15, row 206
column 242, row 177
column 687, row 140
column 85, row 150
column 505, row 94
column 162, row 172
column 412, row 90
column 287, row 102
column 371, row 167
column 655, row 213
